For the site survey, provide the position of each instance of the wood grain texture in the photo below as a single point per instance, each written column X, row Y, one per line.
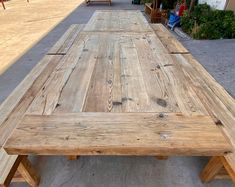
column 116, row 65
column 14, row 107
column 66, row 41
column 211, row 170
column 219, row 104
column 168, row 40
column 28, row 172
column 117, row 20
column 8, row 167
column 228, row 166
column 117, row 134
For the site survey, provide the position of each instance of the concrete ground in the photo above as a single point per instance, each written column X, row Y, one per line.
column 34, row 19
column 217, row 57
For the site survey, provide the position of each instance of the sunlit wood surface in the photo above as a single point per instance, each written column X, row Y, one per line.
column 23, row 24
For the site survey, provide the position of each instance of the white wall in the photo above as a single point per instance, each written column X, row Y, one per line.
column 217, row 4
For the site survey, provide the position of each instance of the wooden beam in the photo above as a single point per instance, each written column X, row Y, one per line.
column 72, row 157
column 66, row 41
column 228, row 168
column 168, row 40
column 18, row 177
column 211, row 169
column 28, row 173
column 14, row 107
column 8, row 167
column 117, row 134
column 162, row 157
column 222, row 174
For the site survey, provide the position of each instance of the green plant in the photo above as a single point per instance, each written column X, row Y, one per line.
column 206, row 23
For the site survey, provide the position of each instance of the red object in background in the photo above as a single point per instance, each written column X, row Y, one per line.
column 183, row 7
column 3, row 4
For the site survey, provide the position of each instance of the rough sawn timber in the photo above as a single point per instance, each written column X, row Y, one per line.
column 117, row 134
column 119, row 64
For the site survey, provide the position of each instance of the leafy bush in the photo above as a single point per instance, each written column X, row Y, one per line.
column 206, row 23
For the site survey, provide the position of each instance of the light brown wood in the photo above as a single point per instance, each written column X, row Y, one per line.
column 229, row 167
column 8, row 167
column 28, row 172
column 18, row 177
column 117, row 20
column 101, row 134
column 14, row 107
column 9, row 164
column 218, row 103
column 72, row 157
column 222, row 174
column 66, row 41
column 162, row 157
column 168, row 40
column 119, row 64
column 211, row 169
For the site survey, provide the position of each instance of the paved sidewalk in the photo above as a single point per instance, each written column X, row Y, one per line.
column 217, row 56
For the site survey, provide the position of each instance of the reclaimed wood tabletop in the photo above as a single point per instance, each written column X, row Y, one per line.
column 114, row 87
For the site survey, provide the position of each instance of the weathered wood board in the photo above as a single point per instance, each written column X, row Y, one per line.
column 117, row 134
column 168, row 40
column 116, row 65
column 118, row 20
column 65, row 42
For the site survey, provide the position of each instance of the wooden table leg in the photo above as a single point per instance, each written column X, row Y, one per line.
column 2, row 1
column 211, row 169
column 28, row 172
column 162, row 157
column 72, row 157
column 228, row 168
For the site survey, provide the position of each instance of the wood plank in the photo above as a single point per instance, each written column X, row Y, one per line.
column 66, row 41
column 134, row 94
column 48, row 96
column 219, row 104
column 228, row 165
column 168, row 40
column 117, row 84
column 28, row 172
column 18, row 177
column 8, row 167
column 117, row 134
column 162, row 157
column 14, row 107
column 114, row 73
column 222, row 174
column 118, row 21
column 157, row 85
column 99, row 92
column 186, row 98
column 211, row 170
column 73, row 95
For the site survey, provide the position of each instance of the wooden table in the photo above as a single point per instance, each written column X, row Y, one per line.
column 112, row 87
